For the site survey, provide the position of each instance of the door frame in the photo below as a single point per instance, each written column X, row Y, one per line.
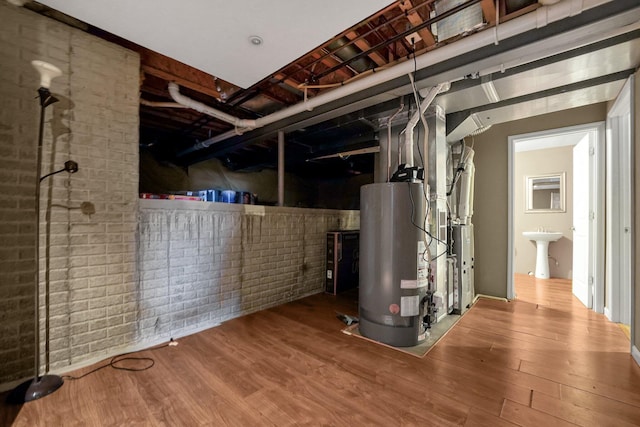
column 621, row 157
column 597, row 188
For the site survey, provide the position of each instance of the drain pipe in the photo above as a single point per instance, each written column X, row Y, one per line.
column 280, row 168
column 241, row 125
column 475, row 41
column 161, row 104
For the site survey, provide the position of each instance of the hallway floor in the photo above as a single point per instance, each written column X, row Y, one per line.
column 541, row 360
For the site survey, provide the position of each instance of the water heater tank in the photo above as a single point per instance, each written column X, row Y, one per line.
column 393, row 265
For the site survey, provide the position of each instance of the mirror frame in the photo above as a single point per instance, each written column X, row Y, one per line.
column 528, row 191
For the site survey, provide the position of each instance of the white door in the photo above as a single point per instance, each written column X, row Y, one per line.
column 619, row 199
column 581, row 222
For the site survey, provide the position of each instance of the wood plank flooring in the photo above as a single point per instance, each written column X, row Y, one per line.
column 542, row 359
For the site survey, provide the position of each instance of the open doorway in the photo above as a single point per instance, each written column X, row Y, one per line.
column 556, row 200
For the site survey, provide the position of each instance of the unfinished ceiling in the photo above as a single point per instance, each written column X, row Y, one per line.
column 221, row 37
column 538, row 59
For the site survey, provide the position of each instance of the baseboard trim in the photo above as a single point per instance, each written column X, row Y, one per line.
column 635, row 353
column 478, row 296
column 88, row 362
column 11, row 385
column 607, row 313
column 144, row 345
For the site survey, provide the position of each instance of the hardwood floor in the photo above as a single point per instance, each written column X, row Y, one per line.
column 542, row 359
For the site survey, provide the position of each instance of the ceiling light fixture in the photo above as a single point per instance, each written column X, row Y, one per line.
column 255, row 40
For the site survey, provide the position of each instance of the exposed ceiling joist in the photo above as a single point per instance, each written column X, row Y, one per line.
column 487, row 55
column 364, row 46
column 373, row 46
column 415, row 19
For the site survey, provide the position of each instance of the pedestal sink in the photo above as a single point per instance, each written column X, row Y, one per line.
column 542, row 239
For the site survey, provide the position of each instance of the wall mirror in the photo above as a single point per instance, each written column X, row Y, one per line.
column 545, row 193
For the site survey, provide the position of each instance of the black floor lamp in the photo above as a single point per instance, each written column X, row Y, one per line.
column 41, row 385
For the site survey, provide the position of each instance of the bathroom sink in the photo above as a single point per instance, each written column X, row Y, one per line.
column 545, row 236
column 542, row 239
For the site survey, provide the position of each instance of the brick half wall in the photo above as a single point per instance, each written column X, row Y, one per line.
column 203, row 263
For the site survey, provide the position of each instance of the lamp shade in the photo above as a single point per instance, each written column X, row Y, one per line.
column 47, row 72
column 18, row 2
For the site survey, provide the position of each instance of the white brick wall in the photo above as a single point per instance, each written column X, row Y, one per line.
column 203, row 263
column 92, row 259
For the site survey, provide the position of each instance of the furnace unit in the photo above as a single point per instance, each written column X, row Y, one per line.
column 342, row 261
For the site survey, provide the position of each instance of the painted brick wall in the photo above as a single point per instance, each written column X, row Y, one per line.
column 92, row 258
column 121, row 279
column 203, row 263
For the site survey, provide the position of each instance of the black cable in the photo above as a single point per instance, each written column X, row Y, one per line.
column 459, row 169
column 119, row 358
column 413, row 205
column 51, row 173
column 423, row 230
column 416, row 225
column 456, row 176
column 426, row 178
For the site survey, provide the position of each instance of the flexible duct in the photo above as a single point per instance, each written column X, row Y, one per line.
column 475, row 41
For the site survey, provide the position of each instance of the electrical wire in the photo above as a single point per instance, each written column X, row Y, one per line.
column 426, row 178
column 424, row 191
column 413, row 208
column 115, row 360
column 464, row 156
column 431, row 236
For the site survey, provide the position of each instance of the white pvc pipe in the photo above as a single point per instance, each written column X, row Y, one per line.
column 162, row 104
column 524, row 23
column 389, row 140
column 174, row 91
column 280, row 168
column 465, row 207
column 424, row 104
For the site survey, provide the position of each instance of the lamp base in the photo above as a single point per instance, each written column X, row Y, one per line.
column 35, row 389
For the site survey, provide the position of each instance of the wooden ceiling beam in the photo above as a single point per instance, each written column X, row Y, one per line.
column 415, row 19
column 278, row 94
column 489, row 11
column 196, row 80
column 364, row 46
column 330, row 61
column 171, row 70
column 288, row 81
